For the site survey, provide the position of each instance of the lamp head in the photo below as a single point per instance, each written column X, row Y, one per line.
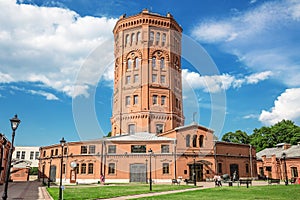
column 150, row 150
column 283, row 155
column 15, row 122
column 62, row 142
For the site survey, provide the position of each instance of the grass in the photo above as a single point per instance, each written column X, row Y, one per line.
column 274, row 192
column 109, row 191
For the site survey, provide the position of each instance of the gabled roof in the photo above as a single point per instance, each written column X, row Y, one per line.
column 141, row 136
column 292, row 152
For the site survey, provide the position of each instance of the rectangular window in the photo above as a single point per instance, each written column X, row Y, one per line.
column 44, row 153
column 92, row 149
column 220, row 168
column 23, row 155
column 136, row 78
column 111, row 148
column 18, row 154
column 37, row 155
column 154, row 99
column 163, row 100
column 294, row 171
column 163, row 79
column 247, row 168
column 56, row 152
column 111, row 168
column 159, row 128
column 83, row 150
column 154, row 78
column 64, row 169
column 135, row 99
column 131, row 129
column 127, row 101
column 51, row 152
column 65, row 151
column 83, row 168
column 77, row 170
column 165, row 168
column 165, row 148
column 138, row 148
column 91, row 168
column 127, row 79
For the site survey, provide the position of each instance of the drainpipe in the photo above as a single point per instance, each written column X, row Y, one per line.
column 251, row 168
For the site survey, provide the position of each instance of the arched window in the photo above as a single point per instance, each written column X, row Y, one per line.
column 151, row 38
column 157, row 38
column 126, row 40
column 153, row 62
column 195, row 141
column 91, row 168
column 163, row 39
column 201, row 138
column 137, row 63
column 129, row 64
column 133, row 38
column 138, row 37
column 162, row 63
column 187, row 141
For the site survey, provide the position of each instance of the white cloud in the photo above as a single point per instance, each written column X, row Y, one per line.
column 287, row 106
column 217, row 83
column 49, row 96
column 49, row 45
column 263, row 38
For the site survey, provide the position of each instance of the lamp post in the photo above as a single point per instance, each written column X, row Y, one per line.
column 146, row 171
column 194, row 172
column 285, row 172
column 150, row 178
column 14, row 122
column 49, row 179
column 62, row 144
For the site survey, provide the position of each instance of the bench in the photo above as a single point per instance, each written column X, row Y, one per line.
column 245, row 181
column 273, row 180
column 187, row 181
column 175, row 181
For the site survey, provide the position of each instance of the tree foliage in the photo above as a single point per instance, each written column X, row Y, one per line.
column 266, row 137
column 238, row 136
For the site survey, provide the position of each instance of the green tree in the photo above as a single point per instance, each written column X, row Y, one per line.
column 238, row 136
column 282, row 132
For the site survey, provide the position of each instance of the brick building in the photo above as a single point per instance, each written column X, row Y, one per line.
column 148, row 117
column 270, row 161
column 4, row 151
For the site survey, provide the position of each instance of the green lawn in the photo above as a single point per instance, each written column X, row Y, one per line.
column 280, row 192
column 108, row 191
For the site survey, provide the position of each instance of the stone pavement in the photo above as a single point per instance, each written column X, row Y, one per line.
column 30, row 190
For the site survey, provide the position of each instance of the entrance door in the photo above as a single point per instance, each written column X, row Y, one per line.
column 234, row 171
column 53, row 173
column 198, row 172
column 138, row 173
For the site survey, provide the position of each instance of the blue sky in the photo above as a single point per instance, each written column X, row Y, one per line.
column 56, row 64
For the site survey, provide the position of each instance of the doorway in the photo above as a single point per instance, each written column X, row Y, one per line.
column 234, row 171
column 138, row 173
column 53, row 173
column 198, row 171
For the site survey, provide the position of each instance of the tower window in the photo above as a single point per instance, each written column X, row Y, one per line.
column 126, row 40
column 129, row 64
column 154, row 99
column 127, row 79
column 136, row 78
column 195, row 141
column 162, row 63
column 157, row 39
column 159, row 128
column 137, row 63
column 153, row 63
column 127, row 101
column 138, row 37
column 163, row 100
column 135, row 99
column 163, row 39
column 201, row 138
column 163, row 79
column 187, row 141
column 131, row 129
column 151, row 38
column 154, row 78
column 132, row 38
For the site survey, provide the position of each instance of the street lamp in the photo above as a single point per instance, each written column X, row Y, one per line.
column 194, row 172
column 146, row 171
column 49, row 179
column 285, row 172
column 62, row 144
column 14, row 122
column 150, row 178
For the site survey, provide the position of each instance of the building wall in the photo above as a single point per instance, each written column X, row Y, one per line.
column 4, row 151
column 27, row 153
column 20, row 174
